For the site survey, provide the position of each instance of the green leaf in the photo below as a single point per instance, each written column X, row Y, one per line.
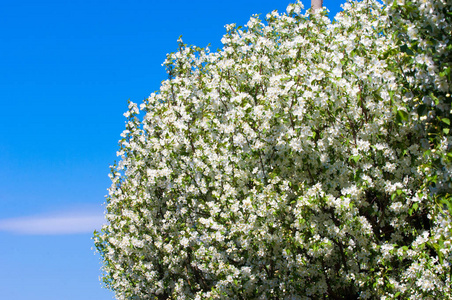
column 447, row 203
column 446, row 120
column 435, row 99
column 445, row 72
column 355, row 158
column 421, row 109
column 406, row 49
column 402, row 116
column 413, row 208
column 446, row 130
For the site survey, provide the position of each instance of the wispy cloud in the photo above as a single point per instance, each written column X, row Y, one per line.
column 60, row 223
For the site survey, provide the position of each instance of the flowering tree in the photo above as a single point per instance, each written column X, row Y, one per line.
column 304, row 160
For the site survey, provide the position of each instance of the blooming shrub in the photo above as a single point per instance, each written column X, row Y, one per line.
column 297, row 162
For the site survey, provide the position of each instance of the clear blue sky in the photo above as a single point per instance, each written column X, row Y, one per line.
column 67, row 68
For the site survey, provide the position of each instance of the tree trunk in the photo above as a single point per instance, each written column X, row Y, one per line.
column 316, row 4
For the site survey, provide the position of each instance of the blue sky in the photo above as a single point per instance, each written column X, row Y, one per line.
column 67, row 68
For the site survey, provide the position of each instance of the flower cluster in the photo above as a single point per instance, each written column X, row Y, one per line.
column 291, row 164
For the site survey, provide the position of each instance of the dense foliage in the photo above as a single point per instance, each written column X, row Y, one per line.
column 306, row 159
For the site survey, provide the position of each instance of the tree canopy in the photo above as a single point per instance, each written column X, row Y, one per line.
column 306, row 159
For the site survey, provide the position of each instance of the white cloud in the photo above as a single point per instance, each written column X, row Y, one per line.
column 62, row 223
